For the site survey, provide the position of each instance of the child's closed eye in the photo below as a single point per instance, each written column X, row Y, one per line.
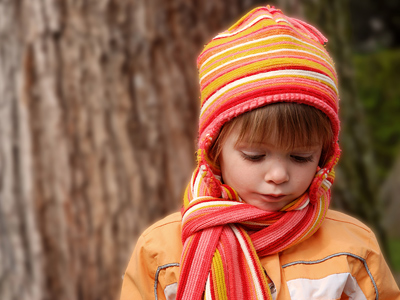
column 302, row 159
column 252, row 157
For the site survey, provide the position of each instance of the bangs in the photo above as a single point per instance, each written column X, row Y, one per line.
column 288, row 125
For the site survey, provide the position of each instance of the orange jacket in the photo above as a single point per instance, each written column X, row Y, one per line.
column 342, row 260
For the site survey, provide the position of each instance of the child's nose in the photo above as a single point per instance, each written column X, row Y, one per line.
column 277, row 173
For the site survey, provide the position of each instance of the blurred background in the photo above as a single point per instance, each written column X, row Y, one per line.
column 98, row 115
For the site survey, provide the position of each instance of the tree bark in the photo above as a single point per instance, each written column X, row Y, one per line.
column 21, row 262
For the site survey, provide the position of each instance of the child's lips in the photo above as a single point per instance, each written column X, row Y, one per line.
column 273, row 197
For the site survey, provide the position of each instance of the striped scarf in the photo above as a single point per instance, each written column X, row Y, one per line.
column 223, row 237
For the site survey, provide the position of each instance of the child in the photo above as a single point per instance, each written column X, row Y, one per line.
column 255, row 222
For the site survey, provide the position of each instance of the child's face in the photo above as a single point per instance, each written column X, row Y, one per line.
column 267, row 176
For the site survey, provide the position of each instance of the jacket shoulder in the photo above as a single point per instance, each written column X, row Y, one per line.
column 167, row 223
column 162, row 242
column 339, row 217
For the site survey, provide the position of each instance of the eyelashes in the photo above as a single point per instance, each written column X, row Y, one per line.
column 251, row 157
column 260, row 157
column 302, row 159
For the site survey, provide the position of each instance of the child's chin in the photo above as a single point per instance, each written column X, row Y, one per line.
column 266, row 206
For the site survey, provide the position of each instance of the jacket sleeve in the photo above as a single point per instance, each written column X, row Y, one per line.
column 138, row 282
column 383, row 279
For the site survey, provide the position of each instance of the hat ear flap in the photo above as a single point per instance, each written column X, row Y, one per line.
column 324, row 178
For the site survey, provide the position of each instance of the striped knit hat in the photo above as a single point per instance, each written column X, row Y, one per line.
column 266, row 57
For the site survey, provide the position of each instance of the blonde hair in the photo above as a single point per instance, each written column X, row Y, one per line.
column 291, row 125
